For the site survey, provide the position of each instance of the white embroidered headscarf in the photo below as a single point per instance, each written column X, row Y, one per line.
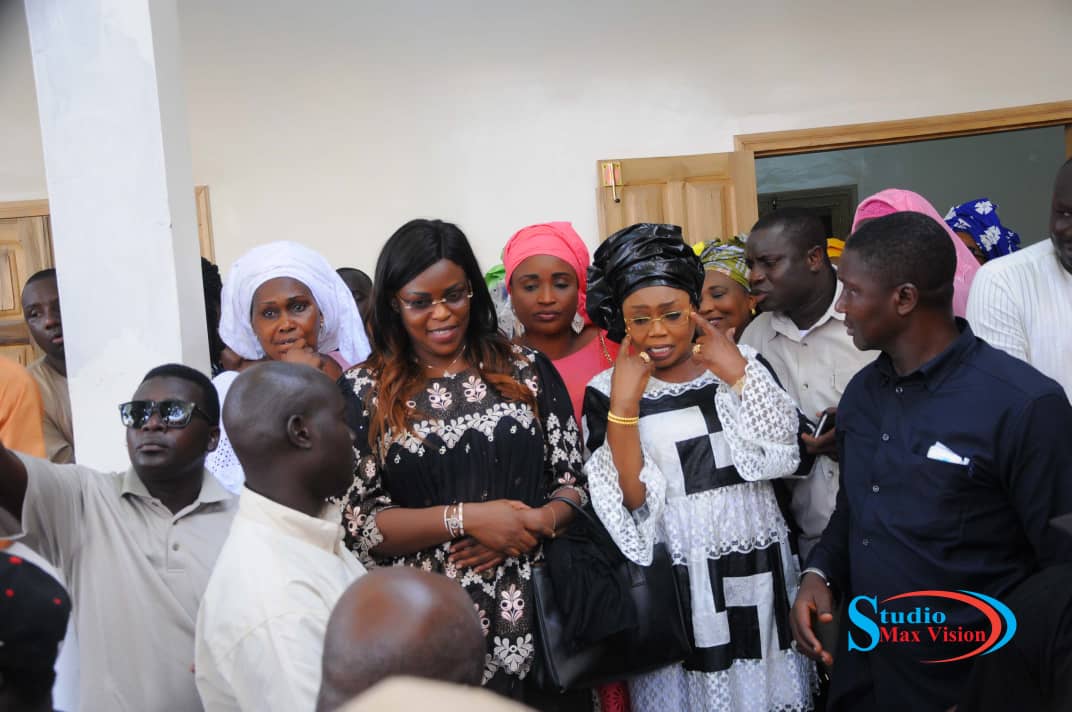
column 342, row 323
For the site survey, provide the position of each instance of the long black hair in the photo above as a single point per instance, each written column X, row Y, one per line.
column 413, row 248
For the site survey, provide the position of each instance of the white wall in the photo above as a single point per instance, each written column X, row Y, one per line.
column 333, row 121
column 1015, row 169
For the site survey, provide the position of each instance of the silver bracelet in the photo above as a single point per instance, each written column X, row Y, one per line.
column 453, row 521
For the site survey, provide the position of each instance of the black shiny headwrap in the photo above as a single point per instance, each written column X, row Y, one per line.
column 642, row 255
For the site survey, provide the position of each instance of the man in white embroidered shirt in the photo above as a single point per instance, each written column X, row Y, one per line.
column 1022, row 303
column 260, row 630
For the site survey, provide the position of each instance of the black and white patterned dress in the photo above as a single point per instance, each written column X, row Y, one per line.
column 709, row 456
column 471, row 445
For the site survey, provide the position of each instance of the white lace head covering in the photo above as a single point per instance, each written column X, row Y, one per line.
column 342, row 322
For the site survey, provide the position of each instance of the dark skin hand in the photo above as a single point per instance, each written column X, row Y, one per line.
column 825, row 444
column 813, row 599
column 470, row 552
column 301, row 352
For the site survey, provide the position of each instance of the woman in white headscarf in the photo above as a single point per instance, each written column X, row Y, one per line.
column 284, row 302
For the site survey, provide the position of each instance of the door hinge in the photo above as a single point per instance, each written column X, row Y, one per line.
column 611, row 175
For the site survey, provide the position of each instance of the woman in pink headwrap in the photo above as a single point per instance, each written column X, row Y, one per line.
column 894, row 200
column 547, row 277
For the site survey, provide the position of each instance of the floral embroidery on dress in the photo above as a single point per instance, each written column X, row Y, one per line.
column 439, row 397
column 469, row 434
column 482, row 616
column 475, row 389
column 512, row 607
column 514, row 653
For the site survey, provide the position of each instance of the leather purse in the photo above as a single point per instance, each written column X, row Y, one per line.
column 656, row 630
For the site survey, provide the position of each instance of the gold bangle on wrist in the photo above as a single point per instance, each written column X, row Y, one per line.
column 619, row 420
column 738, row 387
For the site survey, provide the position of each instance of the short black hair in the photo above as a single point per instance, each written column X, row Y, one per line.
column 211, row 399
column 38, row 276
column 908, row 247
column 802, row 227
column 356, row 276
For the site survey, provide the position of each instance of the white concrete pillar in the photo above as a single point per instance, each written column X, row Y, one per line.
column 120, row 188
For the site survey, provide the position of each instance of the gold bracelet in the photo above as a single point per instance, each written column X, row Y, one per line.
column 554, row 521
column 619, row 420
column 738, row 387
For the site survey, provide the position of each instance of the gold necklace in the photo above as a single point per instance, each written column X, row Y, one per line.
column 446, row 371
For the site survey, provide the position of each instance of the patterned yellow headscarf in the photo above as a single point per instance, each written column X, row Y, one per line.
column 724, row 257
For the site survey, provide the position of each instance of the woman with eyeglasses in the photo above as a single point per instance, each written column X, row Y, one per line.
column 684, row 439
column 283, row 302
column 462, row 438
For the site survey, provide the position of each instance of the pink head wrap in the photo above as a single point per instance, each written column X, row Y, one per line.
column 557, row 239
column 894, row 200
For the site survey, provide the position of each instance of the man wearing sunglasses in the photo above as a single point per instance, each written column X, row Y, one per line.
column 137, row 547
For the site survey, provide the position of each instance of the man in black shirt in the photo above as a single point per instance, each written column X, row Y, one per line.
column 954, row 459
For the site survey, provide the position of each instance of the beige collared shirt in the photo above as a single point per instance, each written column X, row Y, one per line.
column 56, row 399
column 814, row 368
column 260, row 631
column 136, row 573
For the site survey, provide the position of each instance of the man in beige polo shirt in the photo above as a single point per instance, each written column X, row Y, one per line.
column 804, row 339
column 135, row 548
column 41, row 307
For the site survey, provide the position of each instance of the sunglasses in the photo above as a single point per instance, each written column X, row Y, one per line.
column 173, row 413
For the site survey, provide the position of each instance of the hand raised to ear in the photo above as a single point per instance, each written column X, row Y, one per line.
column 630, row 377
column 718, row 352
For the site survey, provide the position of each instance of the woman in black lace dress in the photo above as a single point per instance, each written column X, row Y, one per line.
column 462, row 439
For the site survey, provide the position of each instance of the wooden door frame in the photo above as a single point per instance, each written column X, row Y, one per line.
column 203, row 207
column 832, row 138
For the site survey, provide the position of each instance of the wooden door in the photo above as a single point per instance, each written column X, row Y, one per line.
column 710, row 196
column 25, row 248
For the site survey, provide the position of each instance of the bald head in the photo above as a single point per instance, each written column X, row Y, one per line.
column 286, row 424
column 400, row 621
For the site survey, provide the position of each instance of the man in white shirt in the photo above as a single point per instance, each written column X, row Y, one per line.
column 261, row 627
column 804, row 339
column 1022, row 303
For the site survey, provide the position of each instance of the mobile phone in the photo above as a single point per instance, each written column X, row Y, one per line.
column 825, row 424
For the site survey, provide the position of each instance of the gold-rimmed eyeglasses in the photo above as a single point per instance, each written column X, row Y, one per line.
column 671, row 320
column 452, row 299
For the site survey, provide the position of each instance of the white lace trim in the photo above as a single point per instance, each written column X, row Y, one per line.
column 781, row 683
column 737, row 518
column 760, row 425
column 223, row 461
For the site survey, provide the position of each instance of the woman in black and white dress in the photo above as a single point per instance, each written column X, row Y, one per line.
column 683, row 440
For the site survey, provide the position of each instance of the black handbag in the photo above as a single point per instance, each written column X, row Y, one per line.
column 637, row 616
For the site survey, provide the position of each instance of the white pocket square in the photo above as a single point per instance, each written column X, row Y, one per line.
column 941, row 453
